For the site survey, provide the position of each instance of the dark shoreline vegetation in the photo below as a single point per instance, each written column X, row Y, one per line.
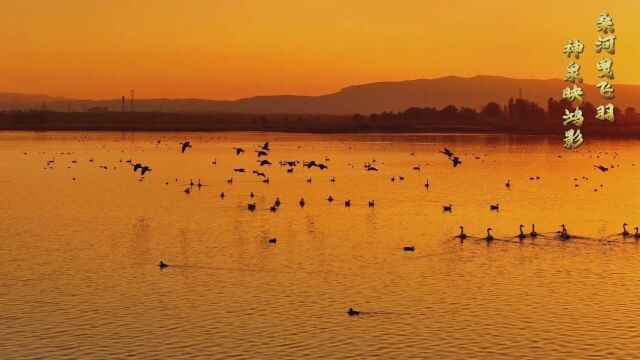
column 520, row 116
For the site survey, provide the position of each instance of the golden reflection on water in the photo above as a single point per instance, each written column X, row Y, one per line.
column 78, row 259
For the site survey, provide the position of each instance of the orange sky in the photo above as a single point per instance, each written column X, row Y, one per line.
column 227, row 49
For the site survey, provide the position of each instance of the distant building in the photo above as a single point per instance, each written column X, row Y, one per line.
column 98, row 109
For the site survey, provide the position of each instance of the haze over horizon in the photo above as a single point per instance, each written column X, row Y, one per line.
column 240, row 49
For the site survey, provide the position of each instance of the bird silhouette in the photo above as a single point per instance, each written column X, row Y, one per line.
column 238, row 150
column 601, row 168
column 447, row 152
column 145, row 169
column 489, row 237
column 185, row 145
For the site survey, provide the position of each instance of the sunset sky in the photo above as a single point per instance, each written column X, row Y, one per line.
column 228, row 49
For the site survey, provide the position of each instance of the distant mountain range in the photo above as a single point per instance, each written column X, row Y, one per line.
column 364, row 99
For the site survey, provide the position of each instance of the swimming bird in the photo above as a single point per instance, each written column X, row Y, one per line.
column 347, row 203
column 163, row 265
column 277, row 202
column 273, row 241
column 185, row 145
column 416, row 168
column 187, row 191
column 409, row 248
column 508, row 184
column 251, row 206
column 333, row 179
column 372, row 203
column 489, row 237
column 533, row 232
column 564, row 234
column 230, row 181
column 352, row 312
column 252, row 195
column 447, row 208
column 624, row 230
column 495, row 207
column 462, row 235
column 522, row 235
column 309, row 180
column 636, row 235
column 238, row 150
column 222, row 195
column 330, row 198
column 427, row 184
column 456, row 161
column 301, row 202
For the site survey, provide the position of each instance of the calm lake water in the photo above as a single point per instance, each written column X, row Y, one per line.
column 78, row 258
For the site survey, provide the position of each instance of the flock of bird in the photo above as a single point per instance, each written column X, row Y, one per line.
column 262, row 159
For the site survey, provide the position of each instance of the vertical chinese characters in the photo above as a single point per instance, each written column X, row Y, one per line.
column 606, row 44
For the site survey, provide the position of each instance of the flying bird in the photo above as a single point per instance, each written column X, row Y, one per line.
column 447, row 152
column 238, row 150
column 601, row 168
column 185, row 145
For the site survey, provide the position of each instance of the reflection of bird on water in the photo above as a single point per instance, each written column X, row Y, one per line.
column 185, row 145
